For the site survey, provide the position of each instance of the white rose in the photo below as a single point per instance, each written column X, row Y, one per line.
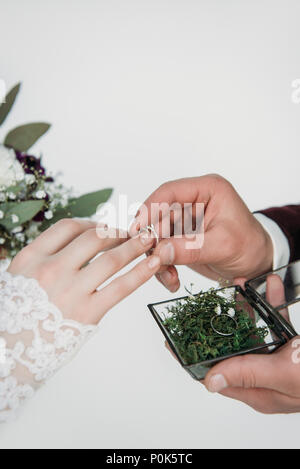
column 11, row 170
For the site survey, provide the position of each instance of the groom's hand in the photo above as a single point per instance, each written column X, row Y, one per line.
column 235, row 244
column 268, row 383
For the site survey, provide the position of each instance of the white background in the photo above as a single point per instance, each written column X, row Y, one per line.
column 140, row 92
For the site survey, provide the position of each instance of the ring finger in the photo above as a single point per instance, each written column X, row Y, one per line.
column 123, row 286
column 86, row 246
column 114, row 260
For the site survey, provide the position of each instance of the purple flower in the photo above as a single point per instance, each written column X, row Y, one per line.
column 41, row 215
column 32, row 165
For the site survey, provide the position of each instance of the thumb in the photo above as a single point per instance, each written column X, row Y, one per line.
column 275, row 294
column 245, row 371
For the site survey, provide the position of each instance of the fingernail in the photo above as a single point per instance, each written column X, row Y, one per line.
column 153, row 262
column 167, row 254
column 166, row 278
column 146, row 238
column 134, row 228
column 217, row 383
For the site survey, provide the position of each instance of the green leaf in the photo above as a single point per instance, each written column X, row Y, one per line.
column 9, row 102
column 14, row 189
column 23, row 137
column 86, row 205
column 25, row 211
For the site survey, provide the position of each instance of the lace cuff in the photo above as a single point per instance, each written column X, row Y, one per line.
column 35, row 340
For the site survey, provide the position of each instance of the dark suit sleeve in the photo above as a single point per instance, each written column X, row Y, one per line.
column 288, row 219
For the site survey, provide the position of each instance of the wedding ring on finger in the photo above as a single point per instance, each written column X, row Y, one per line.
column 216, row 330
column 152, row 231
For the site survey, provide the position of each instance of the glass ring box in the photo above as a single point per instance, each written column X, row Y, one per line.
column 203, row 329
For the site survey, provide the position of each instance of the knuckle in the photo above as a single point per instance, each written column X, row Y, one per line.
column 69, row 224
column 163, row 188
column 142, row 273
column 164, row 185
column 247, row 373
column 25, row 255
column 215, row 177
column 47, row 272
column 63, row 222
column 24, row 259
column 124, row 287
column 219, row 181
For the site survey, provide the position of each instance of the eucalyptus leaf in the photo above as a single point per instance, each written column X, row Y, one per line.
column 14, row 189
column 25, row 211
column 22, row 138
column 9, row 102
column 86, row 205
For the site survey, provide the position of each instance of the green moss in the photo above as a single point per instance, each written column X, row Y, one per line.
column 189, row 324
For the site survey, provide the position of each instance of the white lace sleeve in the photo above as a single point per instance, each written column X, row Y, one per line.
column 35, row 340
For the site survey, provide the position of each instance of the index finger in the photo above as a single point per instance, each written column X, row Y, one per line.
column 60, row 235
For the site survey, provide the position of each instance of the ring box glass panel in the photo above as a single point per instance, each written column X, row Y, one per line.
column 265, row 299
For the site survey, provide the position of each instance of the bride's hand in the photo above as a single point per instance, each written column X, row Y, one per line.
column 59, row 261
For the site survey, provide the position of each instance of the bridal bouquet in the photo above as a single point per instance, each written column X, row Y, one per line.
column 31, row 199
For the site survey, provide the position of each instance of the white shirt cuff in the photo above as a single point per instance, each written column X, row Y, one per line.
column 281, row 249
